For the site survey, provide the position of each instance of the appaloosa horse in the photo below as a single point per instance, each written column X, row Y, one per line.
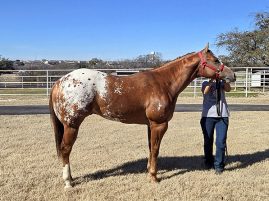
column 143, row 98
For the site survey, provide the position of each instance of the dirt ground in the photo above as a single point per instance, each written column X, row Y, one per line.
column 109, row 161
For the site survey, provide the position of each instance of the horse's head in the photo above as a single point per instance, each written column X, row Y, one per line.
column 211, row 67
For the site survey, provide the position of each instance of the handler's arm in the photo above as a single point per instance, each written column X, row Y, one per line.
column 207, row 88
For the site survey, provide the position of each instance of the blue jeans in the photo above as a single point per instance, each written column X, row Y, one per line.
column 208, row 125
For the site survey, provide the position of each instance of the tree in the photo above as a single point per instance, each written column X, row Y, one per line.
column 153, row 59
column 262, row 20
column 247, row 48
column 6, row 64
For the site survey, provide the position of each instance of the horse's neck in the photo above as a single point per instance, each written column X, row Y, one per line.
column 178, row 74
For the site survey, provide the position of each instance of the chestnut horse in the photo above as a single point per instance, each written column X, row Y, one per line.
column 143, row 98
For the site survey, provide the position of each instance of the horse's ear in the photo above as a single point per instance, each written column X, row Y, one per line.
column 206, row 48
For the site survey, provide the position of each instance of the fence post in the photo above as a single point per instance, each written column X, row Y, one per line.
column 246, row 81
column 47, row 83
column 263, row 88
column 235, row 86
column 195, row 85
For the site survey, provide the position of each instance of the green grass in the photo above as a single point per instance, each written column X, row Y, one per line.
column 31, row 91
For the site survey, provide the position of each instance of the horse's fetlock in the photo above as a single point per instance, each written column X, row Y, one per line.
column 152, row 171
column 66, row 173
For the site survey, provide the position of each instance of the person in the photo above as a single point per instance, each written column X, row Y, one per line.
column 215, row 115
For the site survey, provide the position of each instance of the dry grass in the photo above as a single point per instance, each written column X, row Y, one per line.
column 109, row 161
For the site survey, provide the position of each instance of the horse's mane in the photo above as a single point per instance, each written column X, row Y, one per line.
column 170, row 61
column 184, row 55
column 180, row 57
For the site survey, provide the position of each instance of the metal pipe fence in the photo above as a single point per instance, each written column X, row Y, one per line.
column 250, row 81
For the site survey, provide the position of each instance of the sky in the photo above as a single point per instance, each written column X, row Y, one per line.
column 118, row 29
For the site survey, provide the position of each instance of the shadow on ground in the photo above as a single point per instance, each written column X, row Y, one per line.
column 179, row 164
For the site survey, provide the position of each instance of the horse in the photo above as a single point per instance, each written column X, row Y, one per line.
column 147, row 97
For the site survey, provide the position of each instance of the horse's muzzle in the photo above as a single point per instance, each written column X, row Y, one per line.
column 230, row 79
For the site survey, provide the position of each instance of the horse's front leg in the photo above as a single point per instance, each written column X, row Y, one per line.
column 69, row 138
column 157, row 132
column 149, row 145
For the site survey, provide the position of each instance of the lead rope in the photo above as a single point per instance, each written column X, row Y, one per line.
column 226, row 150
column 218, row 96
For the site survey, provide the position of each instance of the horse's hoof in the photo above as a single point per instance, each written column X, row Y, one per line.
column 68, row 187
column 154, row 179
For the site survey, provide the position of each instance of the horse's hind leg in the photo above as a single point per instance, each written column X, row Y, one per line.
column 69, row 138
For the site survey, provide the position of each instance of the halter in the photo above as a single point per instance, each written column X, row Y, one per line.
column 204, row 64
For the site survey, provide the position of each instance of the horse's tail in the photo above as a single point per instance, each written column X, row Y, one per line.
column 57, row 125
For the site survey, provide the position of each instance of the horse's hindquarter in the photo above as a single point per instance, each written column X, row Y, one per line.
column 74, row 94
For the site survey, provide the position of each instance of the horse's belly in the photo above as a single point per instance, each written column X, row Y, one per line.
column 124, row 116
column 127, row 120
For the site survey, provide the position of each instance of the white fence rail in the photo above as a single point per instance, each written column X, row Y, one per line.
column 250, row 81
